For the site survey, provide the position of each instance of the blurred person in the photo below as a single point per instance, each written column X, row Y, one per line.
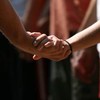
column 66, row 17
column 58, row 69
column 82, row 40
column 14, row 31
column 85, row 64
column 26, row 67
column 98, row 45
column 35, row 18
column 9, row 55
column 76, row 3
column 34, row 15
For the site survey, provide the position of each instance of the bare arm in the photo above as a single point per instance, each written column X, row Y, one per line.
column 86, row 38
column 12, row 28
column 90, row 16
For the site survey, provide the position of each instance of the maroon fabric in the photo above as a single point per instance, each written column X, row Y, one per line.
column 85, row 64
column 76, row 10
column 66, row 16
column 58, row 19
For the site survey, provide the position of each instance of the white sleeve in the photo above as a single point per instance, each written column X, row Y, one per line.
column 98, row 9
column 98, row 18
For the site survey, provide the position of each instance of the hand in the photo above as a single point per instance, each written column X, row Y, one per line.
column 51, row 47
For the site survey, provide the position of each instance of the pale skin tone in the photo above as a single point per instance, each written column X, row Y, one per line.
column 86, row 38
column 86, row 58
column 50, row 43
column 12, row 28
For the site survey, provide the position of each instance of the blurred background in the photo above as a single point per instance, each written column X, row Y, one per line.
column 74, row 78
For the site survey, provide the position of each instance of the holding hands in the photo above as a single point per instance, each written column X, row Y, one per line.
column 50, row 47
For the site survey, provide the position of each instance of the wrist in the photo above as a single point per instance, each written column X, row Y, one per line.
column 70, row 46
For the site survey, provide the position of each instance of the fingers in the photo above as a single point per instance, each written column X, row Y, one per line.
column 64, row 53
column 39, row 39
column 34, row 34
column 42, row 41
column 45, row 43
column 48, row 44
column 61, row 53
column 36, row 57
column 61, row 57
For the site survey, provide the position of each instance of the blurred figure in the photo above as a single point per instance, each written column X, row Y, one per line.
column 85, row 64
column 26, row 65
column 34, row 15
column 9, row 59
column 12, row 29
column 67, row 81
column 98, row 46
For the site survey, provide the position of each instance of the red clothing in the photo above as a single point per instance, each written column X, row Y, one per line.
column 76, row 10
column 58, row 20
column 66, row 16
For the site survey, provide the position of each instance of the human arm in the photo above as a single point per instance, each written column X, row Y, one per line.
column 86, row 38
column 30, row 19
column 84, row 62
column 57, row 49
column 90, row 16
column 12, row 27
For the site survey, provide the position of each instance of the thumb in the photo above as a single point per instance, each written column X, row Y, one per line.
column 36, row 57
column 35, row 34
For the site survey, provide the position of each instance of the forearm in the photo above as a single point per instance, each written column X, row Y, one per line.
column 86, row 38
column 90, row 16
column 12, row 28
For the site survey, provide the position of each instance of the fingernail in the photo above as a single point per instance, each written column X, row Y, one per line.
column 34, row 43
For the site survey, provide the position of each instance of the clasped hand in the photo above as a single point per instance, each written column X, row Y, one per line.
column 50, row 47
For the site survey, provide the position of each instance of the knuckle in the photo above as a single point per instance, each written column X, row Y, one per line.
column 51, row 36
column 44, row 35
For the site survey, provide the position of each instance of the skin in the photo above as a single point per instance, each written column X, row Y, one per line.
column 86, row 38
column 30, row 19
column 82, row 36
column 85, row 60
column 12, row 28
column 57, row 49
